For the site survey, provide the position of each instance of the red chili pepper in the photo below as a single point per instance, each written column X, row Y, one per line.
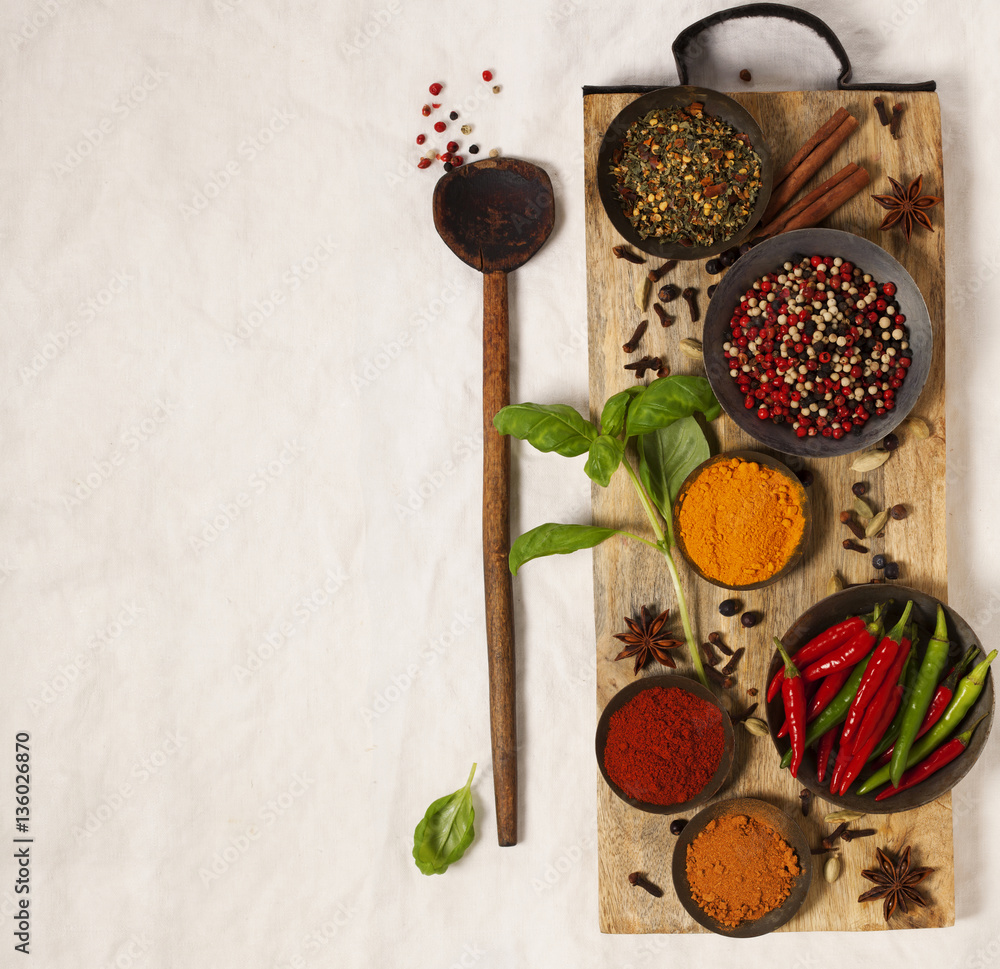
column 849, row 653
column 823, row 755
column 939, row 703
column 943, row 755
column 878, row 669
column 863, row 752
column 793, row 693
column 828, row 689
column 873, row 715
column 818, row 646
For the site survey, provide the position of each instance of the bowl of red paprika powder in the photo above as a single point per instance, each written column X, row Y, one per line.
column 665, row 744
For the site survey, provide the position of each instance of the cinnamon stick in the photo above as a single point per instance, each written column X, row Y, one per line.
column 831, row 125
column 831, row 201
column 779, row 221
column 818, row 157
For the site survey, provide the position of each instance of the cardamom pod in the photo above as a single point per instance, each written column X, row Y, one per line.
column 863, row 510
column 836, row 583
column 756, row 726
column 870, row 460
column 831, row 870
column 642, row 293
column 844, row 815
column 876, row 524
column 692, row 349
column 917, row 427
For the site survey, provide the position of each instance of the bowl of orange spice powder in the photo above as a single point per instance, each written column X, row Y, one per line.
column 741, row 519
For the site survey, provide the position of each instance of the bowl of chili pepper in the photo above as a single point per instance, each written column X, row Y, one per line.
column 665, row 744
column 805, row 366
column 881, row 683
column 684, row 172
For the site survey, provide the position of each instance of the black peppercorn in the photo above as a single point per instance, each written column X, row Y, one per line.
column 729, row 607
column 713, row 267
column 677, row 825
column 749, row 619
column 859, row 488
column 453, row 115
column 728, row 257
column 879, row 561
column 448, row 166
column 805, row 476
column 890, row 442
column 892, row 570
column 473, row 149
column 898, row 512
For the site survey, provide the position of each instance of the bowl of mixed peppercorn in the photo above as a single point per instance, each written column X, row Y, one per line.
column 817, row 342
column 684, row 173
column 886, row 701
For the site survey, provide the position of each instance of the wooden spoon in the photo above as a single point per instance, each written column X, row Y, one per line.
column 495, row 215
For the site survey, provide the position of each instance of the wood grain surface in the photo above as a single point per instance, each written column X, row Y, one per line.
column 628, row 575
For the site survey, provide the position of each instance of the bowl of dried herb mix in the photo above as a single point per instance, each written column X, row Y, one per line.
column 684, row 172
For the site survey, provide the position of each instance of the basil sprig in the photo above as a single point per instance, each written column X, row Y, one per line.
column 445, row 830
column 656, row 421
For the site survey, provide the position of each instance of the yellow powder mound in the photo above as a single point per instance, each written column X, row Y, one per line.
column 740, row 521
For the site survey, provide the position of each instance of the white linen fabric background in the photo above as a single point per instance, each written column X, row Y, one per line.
column 241, row 572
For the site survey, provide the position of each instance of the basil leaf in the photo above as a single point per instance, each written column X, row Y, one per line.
column 548, row 427
column 445, row 831
column 615, row 409
column 667, row 457
column 555, row 539
column 605, row 456
column 669, row 399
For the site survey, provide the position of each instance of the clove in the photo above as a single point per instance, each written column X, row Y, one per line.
column 883, row 115
column 716, row 640
column 805, row 797
column 709, row 655
column 831, row 839
column 668, row 293
column 633, row 341
column 730, row 667
column 662, row 315
column 641, row 366
column 724, row 681
column 897, row 113
column 860, row 833
column 691, row 296
column 745, row 715
column 655, row 275
column 639, row 881
column 623, row 252
column 855, row 527
column 853, row 546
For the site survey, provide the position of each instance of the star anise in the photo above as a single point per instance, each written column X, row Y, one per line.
column 647, row 638
column 907, row 206
column 894, row 882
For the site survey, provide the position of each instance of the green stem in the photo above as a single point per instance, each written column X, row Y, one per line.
column 664, row 547
column 645, row 541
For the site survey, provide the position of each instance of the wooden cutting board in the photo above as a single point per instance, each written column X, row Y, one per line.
column 628, row 575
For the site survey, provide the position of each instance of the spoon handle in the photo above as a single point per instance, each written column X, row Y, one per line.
column 496, row 548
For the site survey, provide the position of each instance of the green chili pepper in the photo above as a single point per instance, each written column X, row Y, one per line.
column 835, row 712
column 965, row 697
column 935, row 656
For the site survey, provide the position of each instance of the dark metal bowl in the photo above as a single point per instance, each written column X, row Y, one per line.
column 667, row 681
column 784, row 825
column 769, row 256
column 858, row 601
column 768, row 462
column 717, row 105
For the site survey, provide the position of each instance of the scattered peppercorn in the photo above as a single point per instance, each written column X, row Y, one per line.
column 496, row 88
column 879, row 561
column 487, row 75
column 898, row 512
column 421, row 139
column 473, row 149
column 710, row 292
column 440, row 126
column 668, row 293
column 424, row 163
column 452, row 146
column 805, row 476
column 890, row 442
column 467, row 129
column 448, row 166
column 457, row 160
column 752, row 691
column 745, row 75
column 729, row 256
column 494, row 153
column 749, row 619
column 859, row 488
column 425, row 110
column 729, row 607
column 892, row 570
column 677, row 825
column 713, row 267
column 453, row 115
column 435, row 88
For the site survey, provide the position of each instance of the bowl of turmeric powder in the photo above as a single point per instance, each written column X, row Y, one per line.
column 742, row 520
